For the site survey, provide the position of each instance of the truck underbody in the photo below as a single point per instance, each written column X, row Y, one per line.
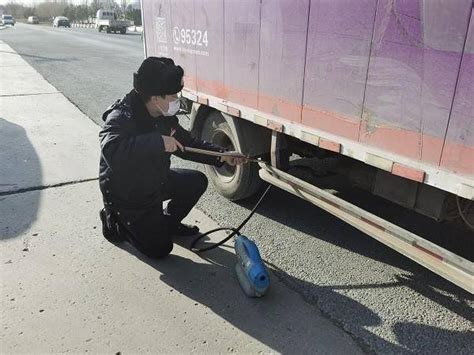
column 412, row 218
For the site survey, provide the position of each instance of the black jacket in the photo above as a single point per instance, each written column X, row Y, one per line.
column 133, row 162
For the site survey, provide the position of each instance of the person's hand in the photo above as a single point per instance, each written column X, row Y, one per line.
column 233, row 161
column 171, row 144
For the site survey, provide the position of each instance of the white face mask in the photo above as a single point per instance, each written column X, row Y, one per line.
column 173, row 108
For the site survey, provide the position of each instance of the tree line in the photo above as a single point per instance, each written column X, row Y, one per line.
column 48, row 10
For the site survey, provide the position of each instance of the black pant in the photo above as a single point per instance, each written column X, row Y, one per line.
column 151, row 234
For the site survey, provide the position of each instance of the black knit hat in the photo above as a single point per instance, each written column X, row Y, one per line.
column 158, row 76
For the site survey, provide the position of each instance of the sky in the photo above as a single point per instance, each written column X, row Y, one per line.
column 34, row 2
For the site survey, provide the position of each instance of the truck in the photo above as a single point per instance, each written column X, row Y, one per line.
column 107, row 20
column 381, row 92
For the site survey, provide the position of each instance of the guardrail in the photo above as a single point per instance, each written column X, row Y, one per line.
column 83, row 25
column 93, row 25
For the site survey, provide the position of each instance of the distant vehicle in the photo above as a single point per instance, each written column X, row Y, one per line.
column 33, row 20
column 8, row 20
column 61, row 21
column 107, row 21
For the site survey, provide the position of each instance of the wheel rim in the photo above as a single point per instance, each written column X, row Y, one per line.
column 226, row 172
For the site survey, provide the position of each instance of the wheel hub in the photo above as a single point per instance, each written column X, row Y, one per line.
column 220, row 138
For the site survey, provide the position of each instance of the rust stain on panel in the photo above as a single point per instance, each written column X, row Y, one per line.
column 457, row 157
column 335, row 123
column 431, row 149
column 393, row 139
column 280, row 107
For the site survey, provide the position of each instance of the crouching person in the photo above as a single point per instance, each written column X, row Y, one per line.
column 140, row 133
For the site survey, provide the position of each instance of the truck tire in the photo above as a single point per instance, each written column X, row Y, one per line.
column 234, row 183
column 123, row 31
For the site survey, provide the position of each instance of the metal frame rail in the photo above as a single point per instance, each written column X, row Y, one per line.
column 452, row 267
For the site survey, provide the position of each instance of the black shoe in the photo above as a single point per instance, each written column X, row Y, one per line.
column 185, row 230
column 110, row 232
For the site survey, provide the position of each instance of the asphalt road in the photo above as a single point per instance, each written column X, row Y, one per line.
column 386, row 302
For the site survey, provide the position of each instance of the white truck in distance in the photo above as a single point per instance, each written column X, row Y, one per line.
column 106, row 20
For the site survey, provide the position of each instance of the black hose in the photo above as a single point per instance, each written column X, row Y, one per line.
column 235, row 231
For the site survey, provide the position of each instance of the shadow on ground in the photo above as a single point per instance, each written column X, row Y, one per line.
column 19, row 162
column 42, row 58
column 309, row 219
column 274, row 320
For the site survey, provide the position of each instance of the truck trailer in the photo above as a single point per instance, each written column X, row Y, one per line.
column 381, row 91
